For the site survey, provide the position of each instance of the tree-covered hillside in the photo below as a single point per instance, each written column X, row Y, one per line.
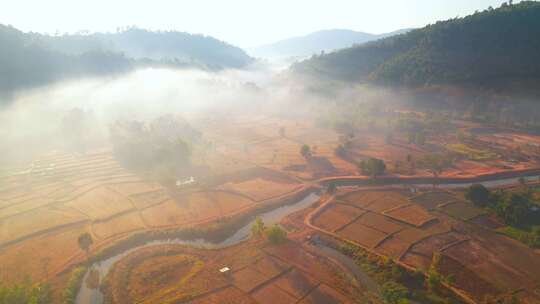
column 490, row 48
column 25, row 63
column 162, row 45
column 30, row 59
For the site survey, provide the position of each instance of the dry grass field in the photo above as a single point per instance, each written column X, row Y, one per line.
column 49, row 201
column 172, row 273
column 437, row 222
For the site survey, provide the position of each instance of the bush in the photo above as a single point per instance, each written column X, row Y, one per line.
column 394, row 293
column 74, row 284
column 25, row 293
column 276, row 234
column 478, row 194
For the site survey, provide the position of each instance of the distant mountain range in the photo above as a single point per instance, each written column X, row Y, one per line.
column 490, row 49
column 315, row 43
column 31, row 59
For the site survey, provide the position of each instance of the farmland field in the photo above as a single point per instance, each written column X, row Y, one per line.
column 251, row 165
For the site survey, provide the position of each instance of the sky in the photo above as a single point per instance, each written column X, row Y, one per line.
column 244, row 23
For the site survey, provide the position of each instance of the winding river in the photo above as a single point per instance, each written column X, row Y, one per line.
column 87, row 295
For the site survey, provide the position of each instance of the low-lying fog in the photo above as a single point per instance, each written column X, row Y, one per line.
column 35, row 120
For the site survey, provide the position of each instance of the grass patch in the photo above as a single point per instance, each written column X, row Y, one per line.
column 529, row 238
column 74, row 284
column 471, row 153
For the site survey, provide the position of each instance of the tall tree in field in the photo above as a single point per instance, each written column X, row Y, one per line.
column 305, row 151
column 257, row 229
column 85, row 241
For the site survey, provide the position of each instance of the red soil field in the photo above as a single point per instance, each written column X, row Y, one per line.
column 296, row 283
column 465, row 279
column 430, row 200
column 462, row 210
column 361, row 234
column 248, row 278
column 260, row 189
column 487, row 221
column 336, row 216
column 392, row 247
column 380, row 222
column 324, row 295
column 435, row 243
column 271, row 294
column 411, row 214
column 124, row 223
column 227, row 295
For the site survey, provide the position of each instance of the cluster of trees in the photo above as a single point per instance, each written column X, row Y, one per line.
column 399, row 286
column 517, row 208
column 372, row 167
column 25, row 292
column 275, row 234
column 31, row 59
column 161, row 147
column 492, row 48
column 305, row 151
column 26, row 63
column 155, row 45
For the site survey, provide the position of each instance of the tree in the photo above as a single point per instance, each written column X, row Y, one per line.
column 478, row 194
column 85, row 241
column 372, row 167
column 257, row 229
column 340, row 151
column 331, row 189
column 276, row 234
column 513, row 208
column 393, row 293
column 305, row 151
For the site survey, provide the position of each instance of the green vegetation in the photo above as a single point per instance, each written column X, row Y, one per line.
column 305, row 151
column 258, row 228
column 276, row 234
column 518, row 208
column 396, row 284
column 85, row 241
column 25, row 293
column 162, row 147
column 478, row 194
column 372, row 167
column 394, row 293
column 31, row 59
column 493, row 48
column 471, row 153
column 74, row 284
column 436, row 163
column 530, row 238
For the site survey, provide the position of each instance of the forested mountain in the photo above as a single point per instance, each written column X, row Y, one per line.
column 29, row 59
column 25, row 63
column 314, row 43
column 489, row 49
column 162, row 45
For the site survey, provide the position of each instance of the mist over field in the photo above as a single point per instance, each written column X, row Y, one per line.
column 34, row 118
column 278, row 152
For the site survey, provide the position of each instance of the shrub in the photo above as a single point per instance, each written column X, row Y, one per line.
column 276, row 234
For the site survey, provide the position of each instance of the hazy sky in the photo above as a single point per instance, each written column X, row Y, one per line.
column 241, row 22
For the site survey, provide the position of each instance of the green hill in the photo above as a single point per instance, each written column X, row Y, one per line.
column 492, row 48
column 30, row 59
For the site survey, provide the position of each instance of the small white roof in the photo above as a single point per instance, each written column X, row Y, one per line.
column 224, row 269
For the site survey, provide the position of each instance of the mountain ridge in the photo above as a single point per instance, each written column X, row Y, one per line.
column 486, row 49
column 315, row 42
